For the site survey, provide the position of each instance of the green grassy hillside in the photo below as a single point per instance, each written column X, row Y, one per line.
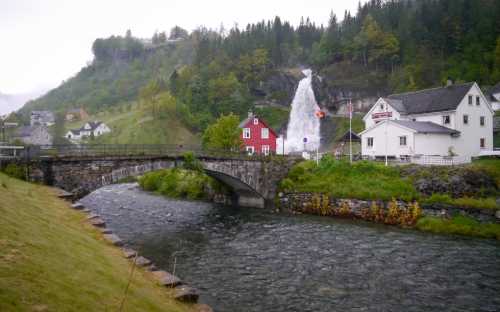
column 131, row 124
column 52, row 260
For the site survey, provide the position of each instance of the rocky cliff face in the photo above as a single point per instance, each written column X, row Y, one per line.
column 278, row 88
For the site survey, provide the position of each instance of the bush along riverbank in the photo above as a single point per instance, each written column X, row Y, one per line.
column 54, row 258
column 428, row 198
column 188, row 182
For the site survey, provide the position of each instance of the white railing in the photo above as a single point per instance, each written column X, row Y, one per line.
column 440, row 160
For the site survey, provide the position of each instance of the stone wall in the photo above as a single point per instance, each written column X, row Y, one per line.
column 322, row 204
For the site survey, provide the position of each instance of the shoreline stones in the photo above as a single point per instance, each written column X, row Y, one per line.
column 166, row 279
column 113, row 239
column 182, row 293
column 185, row 293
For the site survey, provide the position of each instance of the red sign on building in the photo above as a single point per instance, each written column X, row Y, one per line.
column 381, row 115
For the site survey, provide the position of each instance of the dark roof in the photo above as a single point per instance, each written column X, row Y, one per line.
column 425, row 127
column 93, row 125
column 251, row 117
column 494, row 90
column 75, row 131
column 432, row 100
column 345, row 137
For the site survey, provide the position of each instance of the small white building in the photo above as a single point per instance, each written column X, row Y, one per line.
column 446, row 121
column 494, row 96
column 90, row 129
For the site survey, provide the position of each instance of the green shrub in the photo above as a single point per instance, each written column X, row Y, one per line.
column 15, row 171
column 459, row 225
column 479, row 203
column 438, row 199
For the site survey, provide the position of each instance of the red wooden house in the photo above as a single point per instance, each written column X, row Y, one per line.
column 257, row 136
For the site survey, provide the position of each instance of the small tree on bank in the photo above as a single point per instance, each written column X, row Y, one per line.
column 224, row 134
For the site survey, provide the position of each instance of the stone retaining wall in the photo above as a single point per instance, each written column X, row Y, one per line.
column 322, row 204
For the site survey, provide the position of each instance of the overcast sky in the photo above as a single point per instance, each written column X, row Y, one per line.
column 44, row 42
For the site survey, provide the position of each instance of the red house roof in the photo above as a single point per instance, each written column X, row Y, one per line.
column 250, row 118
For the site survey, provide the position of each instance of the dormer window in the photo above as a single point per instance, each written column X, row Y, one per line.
column 255, row 121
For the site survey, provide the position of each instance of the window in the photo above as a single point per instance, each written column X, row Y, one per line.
column 250, row 150
column 246, row 133
column 369, row 142
column 255, row 121
column 381, row 106
column 265, row 149
column 478, row 101
column 264, row 133
column 446, row 119
column 481, row 142
column 466, row 119
column 402, row 140
column 414, row 119
column 481, row 120
column 470, row 99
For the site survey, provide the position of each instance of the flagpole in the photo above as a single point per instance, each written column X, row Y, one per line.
column 350, row 131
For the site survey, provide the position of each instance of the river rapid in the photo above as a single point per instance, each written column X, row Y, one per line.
column 245, row 259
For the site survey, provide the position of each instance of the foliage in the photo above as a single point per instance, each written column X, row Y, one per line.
column 224, row 134
column 15, row 171
column 42, row 238
column 275, row 117
column 191, row 162
column 490, row 165
column 362, row 180
column 180, row 183
column 459, row 225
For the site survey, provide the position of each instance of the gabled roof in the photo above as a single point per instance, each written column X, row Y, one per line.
column 494, row 90
column 75, row 131
column 425, row 127
column 431, row 100
column 93, row 125
column 346, row 137
column 250, row 118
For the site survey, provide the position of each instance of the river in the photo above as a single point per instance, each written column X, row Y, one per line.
column 245, row 259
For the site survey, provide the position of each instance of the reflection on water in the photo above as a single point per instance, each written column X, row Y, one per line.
column 249, row 260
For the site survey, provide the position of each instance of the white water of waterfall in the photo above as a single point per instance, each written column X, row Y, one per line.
column 303, row 123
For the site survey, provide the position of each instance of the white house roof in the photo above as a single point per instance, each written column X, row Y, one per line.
column 425, row 126
column 430, row 100
column 417, row 126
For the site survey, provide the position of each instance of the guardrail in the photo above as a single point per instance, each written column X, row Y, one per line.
column 128, row 150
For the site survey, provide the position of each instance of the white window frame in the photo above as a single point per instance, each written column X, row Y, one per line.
column 255, row 121
column 464, row 118
column 478, row 100
column 482, row 121
column 264, row 131
column 246, row 133
column 368, row 142
column 482, row 143
column 405, row 140
column 265, row 149
column 250, row 150
column 470, row 99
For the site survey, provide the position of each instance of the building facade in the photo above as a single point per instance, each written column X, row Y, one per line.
column 89, row 129
column 33, row 135
column 42, row 118
column 257, row 136
column 76, row 114
column 452, row 120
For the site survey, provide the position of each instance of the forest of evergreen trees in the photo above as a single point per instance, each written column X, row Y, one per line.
column 387, row 46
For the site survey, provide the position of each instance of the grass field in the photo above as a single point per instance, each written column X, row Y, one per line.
column 52, row 260
column 459, row 225
column 131, row 125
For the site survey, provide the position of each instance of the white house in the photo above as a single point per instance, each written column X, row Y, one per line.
column 92, row 128
column 451, row 120
column 494, row 96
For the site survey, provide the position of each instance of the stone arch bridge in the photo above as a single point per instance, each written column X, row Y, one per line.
column 253, row 181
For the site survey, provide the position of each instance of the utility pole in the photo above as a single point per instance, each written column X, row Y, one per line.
column 350, row 131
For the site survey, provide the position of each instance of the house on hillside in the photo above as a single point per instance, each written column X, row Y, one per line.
column 493, row 95
column 89, row 129
column 451, row 120
column 42, row 118
column 33, row 135
column 76, row 114
column 257, row 136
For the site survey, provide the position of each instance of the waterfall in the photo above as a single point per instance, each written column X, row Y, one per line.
column 303, row 122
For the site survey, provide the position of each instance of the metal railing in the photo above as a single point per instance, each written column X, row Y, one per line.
column 130, row 150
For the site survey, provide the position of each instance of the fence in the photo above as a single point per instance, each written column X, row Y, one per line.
column 440, row 160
